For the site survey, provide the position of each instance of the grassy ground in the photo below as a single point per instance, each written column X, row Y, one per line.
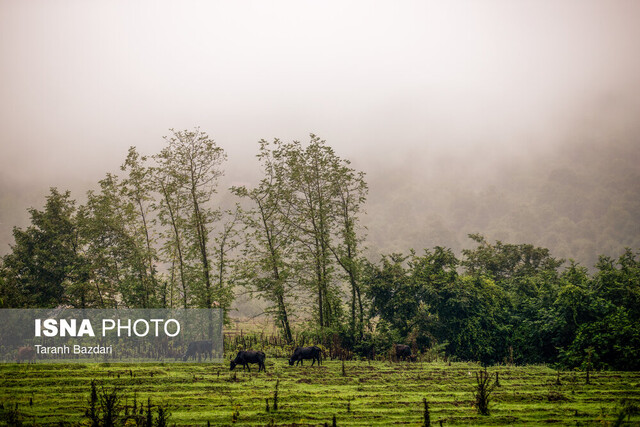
column 375, row 393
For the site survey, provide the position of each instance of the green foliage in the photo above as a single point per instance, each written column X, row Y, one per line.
column 10, row 414
column 193, row 163
column 473, row 319
column 303, row 233
column 606, row 317
column 424, row 298
column 110, row 406
column 502, row 261
column 235, row 414
column 45, row 258
column 109, row 228
column 630, row 408
column 615, row 341
column 163, row 416
column 268, row 267
column 511, row 303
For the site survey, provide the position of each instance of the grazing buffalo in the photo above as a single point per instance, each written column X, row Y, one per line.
column 301, row 353
column 197, row 348
column 244, row 358
column 26, row 353
column 403, row 352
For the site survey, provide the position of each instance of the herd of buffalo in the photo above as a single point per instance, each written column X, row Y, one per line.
column 197, row 349
column 246, row 357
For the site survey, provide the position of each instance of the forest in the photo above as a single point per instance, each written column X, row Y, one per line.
column 161, row 233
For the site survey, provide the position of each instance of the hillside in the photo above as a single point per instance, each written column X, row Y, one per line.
column 580, row 200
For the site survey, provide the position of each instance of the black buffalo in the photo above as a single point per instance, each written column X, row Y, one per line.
column 403, row 352
column 301, row 353
column 197, row 348
column 244, row 358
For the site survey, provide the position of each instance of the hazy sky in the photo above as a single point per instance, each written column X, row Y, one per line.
column 80, row 81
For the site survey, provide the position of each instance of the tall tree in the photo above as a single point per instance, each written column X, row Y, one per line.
column 350, row 194
column 320, row 198
column 268, row 266
column 137, row 189
column 194, row 162
column 172, row 215
column 310, row 189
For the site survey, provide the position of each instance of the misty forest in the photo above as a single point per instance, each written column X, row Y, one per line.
column 162, row 233
column 434, row 204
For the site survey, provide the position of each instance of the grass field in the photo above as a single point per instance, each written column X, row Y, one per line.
column 375, row 393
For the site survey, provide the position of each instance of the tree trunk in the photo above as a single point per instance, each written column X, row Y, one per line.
column 202, row 243
column 152, row 268
column 176, row 233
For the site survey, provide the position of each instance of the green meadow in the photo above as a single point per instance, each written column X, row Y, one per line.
column 364, row 393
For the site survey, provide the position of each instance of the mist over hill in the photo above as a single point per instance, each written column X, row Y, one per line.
column 580, row 200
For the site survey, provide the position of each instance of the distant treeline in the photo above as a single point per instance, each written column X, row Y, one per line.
column 505, row 303
column 157, row 236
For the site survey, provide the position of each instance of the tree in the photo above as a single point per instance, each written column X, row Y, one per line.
column 309, row 185
column 303, row 219
column 45, row 256
column 571, row 307
column 193, row 160
column 618, row 281
column 137, row 191
column 269, row 266
column 423, row 298
column 474, row 319
column 501, row 261
column 110, row 235
column 323, row 200
column 529, row 277
column 225, row 242
column 391, row 293
column 406, row 293
column 609, row 327
column 350, row 194
column 171, row 213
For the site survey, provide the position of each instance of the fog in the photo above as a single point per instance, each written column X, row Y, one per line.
column 439, row 102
